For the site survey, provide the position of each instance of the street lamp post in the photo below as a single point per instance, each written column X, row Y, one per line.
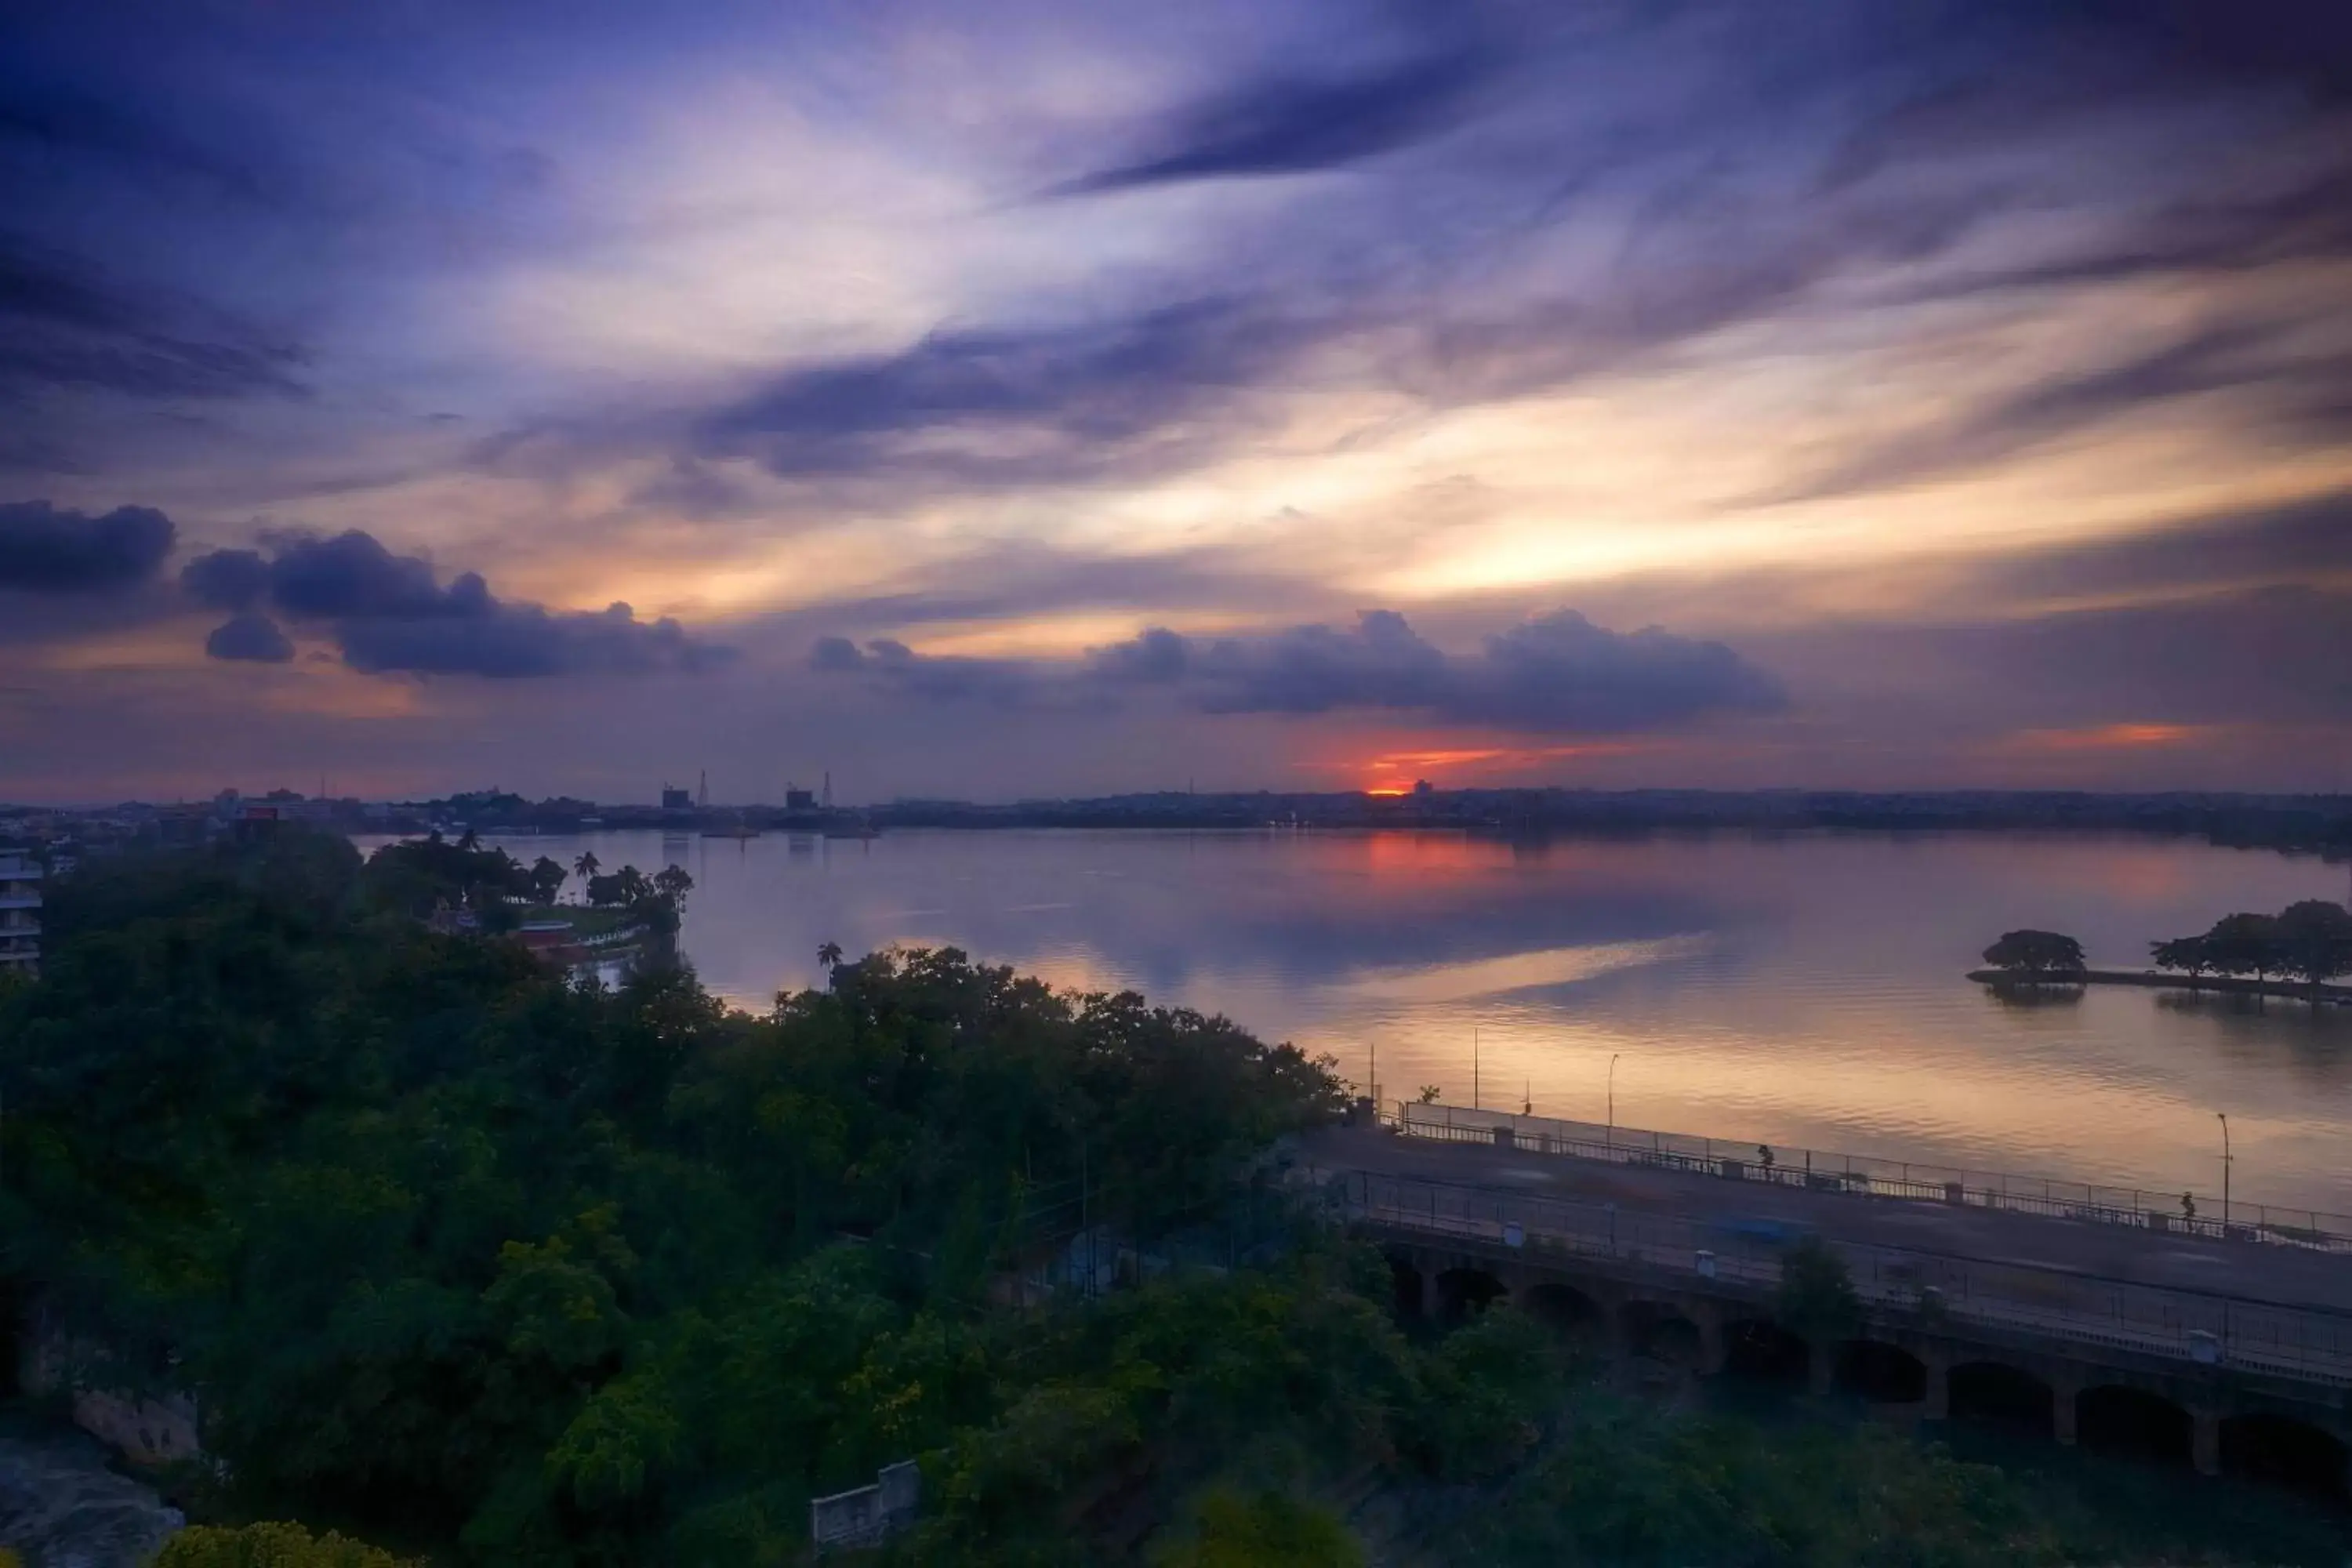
column 2226, row 1163
column 1613, row 1098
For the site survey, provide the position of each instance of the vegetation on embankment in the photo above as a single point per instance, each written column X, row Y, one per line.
column 486, row 1266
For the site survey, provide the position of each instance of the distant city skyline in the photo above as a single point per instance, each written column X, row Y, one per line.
column 1044, row 399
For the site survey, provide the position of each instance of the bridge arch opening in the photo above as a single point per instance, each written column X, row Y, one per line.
column 2135, row 1423
column 1762, row 1350
column 1659, row 1333
column 1881, row 1372
column 2280, row 1450
column 1992, row 1395
column 1405, row 1277
column 1565, row 1310
column 1465, row 1292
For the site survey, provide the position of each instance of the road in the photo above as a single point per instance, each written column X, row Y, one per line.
column 2242, row 1271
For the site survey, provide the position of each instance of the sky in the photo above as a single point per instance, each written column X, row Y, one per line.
column 1038, row 398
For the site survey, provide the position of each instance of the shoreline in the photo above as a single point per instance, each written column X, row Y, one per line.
column 2156, row 980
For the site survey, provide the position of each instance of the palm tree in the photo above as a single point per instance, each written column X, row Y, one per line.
column 468, row 841
column 587, row 865
column 829, row 954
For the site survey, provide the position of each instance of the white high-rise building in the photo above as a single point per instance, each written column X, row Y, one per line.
column 20, row 914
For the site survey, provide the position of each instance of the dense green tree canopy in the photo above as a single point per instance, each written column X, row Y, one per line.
column 450, row 1242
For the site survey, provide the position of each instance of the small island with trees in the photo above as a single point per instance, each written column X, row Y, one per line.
column 2293, row 954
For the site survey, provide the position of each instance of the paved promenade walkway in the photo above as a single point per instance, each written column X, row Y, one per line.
column 2242, row 1271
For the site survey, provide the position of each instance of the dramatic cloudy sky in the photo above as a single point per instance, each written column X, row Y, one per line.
column 1029, row 397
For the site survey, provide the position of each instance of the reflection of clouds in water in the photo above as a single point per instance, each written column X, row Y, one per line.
column 1520, row 971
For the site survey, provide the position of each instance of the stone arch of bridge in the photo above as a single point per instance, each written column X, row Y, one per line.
column 1662, row 1331
column 1409, row 1281
column 2280, row 1450
column 1465, row 1290
column 1761, row 1350
column 1997, row 1394
column 1881, row 1372
column 1565, row 1309
column 2118, row 1419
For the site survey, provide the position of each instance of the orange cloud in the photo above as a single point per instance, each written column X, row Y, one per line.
column 1380, row 768
column 2108, row 736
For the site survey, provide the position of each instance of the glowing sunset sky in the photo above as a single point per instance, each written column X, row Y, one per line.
column 1023, row 397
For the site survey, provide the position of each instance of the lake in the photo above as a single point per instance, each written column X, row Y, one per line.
column 1786, row 989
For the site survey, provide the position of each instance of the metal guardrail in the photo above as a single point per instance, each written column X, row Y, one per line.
column 867, row 1516
column 2304, row 1344
column 1866, row 1176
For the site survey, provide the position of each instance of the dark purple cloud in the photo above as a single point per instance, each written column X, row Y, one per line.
column 1556, row 674
column 391, row 614
column 250, row 639
column 2307, row 43
column 1077, row 396
column 228, row 579
column 1001, row 683
column 67, row 323
column 2306, row 542
column 1296, row 124
column 2293, row 387
column 45, row 551
column 46, row 117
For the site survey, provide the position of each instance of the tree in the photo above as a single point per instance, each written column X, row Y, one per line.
column 1231, row 1529
column 2313, row 940
column 829, row 954
column 2036, row 953
column 469, row 841
column 272, row 1545
column 587, row 865
column 2245, row 945
column 547, row 878
column 2188, row 952
column 1817, row 1298
column 673, row 883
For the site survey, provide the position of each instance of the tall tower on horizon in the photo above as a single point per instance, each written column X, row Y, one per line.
column 828, row 789
column 702, row 796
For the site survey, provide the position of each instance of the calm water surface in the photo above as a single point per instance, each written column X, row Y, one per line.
column 1789, row 989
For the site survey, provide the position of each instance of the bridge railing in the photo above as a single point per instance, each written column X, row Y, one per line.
column 1866, row 1175
column 2306, row 1345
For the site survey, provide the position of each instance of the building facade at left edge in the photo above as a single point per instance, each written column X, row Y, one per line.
column 20, row 913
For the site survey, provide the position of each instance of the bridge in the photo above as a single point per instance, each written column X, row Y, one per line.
column 2226, row 1348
